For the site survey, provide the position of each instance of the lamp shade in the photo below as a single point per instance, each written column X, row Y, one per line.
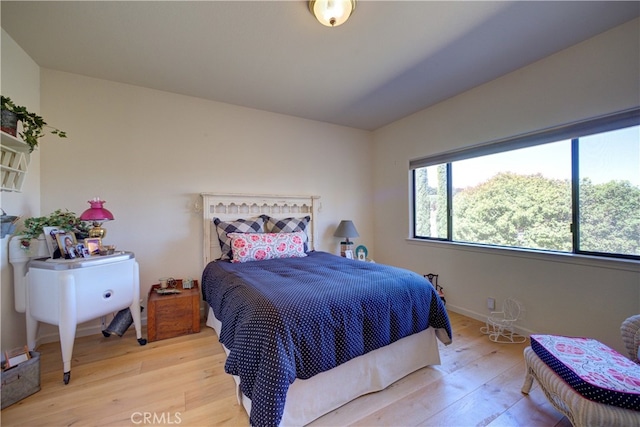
column 346, row 229
column 332, row 13
column 96, row 212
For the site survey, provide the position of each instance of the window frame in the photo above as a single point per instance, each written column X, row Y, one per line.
column 572, row 131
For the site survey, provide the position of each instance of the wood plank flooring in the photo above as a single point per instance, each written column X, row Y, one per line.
column 181, row 381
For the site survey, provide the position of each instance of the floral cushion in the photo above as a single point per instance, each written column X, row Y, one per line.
column 592, row 369
column 263, row 246
column 251, row 225
column 288, row 225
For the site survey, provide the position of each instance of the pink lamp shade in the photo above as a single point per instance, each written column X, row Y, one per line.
column 96, row 212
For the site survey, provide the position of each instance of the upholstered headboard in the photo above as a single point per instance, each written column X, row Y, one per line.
column 229, row 207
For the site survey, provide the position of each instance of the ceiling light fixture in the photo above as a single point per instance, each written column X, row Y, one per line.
column 332, row 12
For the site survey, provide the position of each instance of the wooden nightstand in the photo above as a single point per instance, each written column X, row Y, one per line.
column 173, row 315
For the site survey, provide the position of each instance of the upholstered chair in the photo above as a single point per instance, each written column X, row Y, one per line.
column 630, row 330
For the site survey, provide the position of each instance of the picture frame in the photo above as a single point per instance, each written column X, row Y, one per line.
column 16, row 356
column 348, row 254
column 50, row 234
column 93, row 245
column 362, row 253
column 82, row 250
column 67, row 244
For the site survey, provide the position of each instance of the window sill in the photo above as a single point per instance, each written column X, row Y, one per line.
column 565, row 258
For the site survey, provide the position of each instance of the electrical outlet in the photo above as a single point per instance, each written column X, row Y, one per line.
column 491, row 303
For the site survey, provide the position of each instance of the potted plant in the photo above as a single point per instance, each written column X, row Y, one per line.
column 32, row 124
column 65, row 220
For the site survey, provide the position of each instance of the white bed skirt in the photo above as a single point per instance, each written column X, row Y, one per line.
column 309, row 399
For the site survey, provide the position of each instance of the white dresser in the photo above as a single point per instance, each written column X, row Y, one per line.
column 68, row 292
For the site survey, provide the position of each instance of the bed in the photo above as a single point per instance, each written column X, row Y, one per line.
column 281, row 379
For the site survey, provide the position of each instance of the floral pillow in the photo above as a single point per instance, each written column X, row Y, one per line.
column 288, row 225
column 262, row 246
column 252, row 225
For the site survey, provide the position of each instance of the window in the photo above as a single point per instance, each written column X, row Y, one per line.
column 609, row 192
column 572, row 189
column 431, row 196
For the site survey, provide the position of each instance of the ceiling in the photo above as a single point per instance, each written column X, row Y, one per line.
column 391, row 59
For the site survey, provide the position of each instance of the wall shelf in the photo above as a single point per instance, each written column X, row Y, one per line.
column 14, row 160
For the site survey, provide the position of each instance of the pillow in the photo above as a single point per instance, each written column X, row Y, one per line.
column 289, row 225
column 262, row 246
column 251, row 225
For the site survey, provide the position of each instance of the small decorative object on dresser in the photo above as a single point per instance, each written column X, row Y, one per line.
column 172, row 314
column 67, row 244
column 346, row 229
column 362, row 253
column 93, row 245
column 97, row 214
column 50, row 234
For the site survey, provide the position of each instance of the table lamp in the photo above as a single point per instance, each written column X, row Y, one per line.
column 346, row 229
column 96, row 214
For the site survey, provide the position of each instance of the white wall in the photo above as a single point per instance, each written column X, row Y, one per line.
column 562, row 296
column 21, row 82
column 150, row 153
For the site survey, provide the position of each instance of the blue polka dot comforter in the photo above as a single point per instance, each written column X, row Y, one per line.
column 291, row 318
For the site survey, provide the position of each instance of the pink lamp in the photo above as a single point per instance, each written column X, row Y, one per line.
column 97, row 214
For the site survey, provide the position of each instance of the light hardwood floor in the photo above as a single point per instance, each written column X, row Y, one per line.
column 181, row 381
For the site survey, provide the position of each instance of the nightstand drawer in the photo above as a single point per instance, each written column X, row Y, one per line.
column 173, row 315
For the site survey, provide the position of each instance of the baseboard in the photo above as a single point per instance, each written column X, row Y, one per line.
column 87, row 330
column 482, row 317
column 95, row 329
